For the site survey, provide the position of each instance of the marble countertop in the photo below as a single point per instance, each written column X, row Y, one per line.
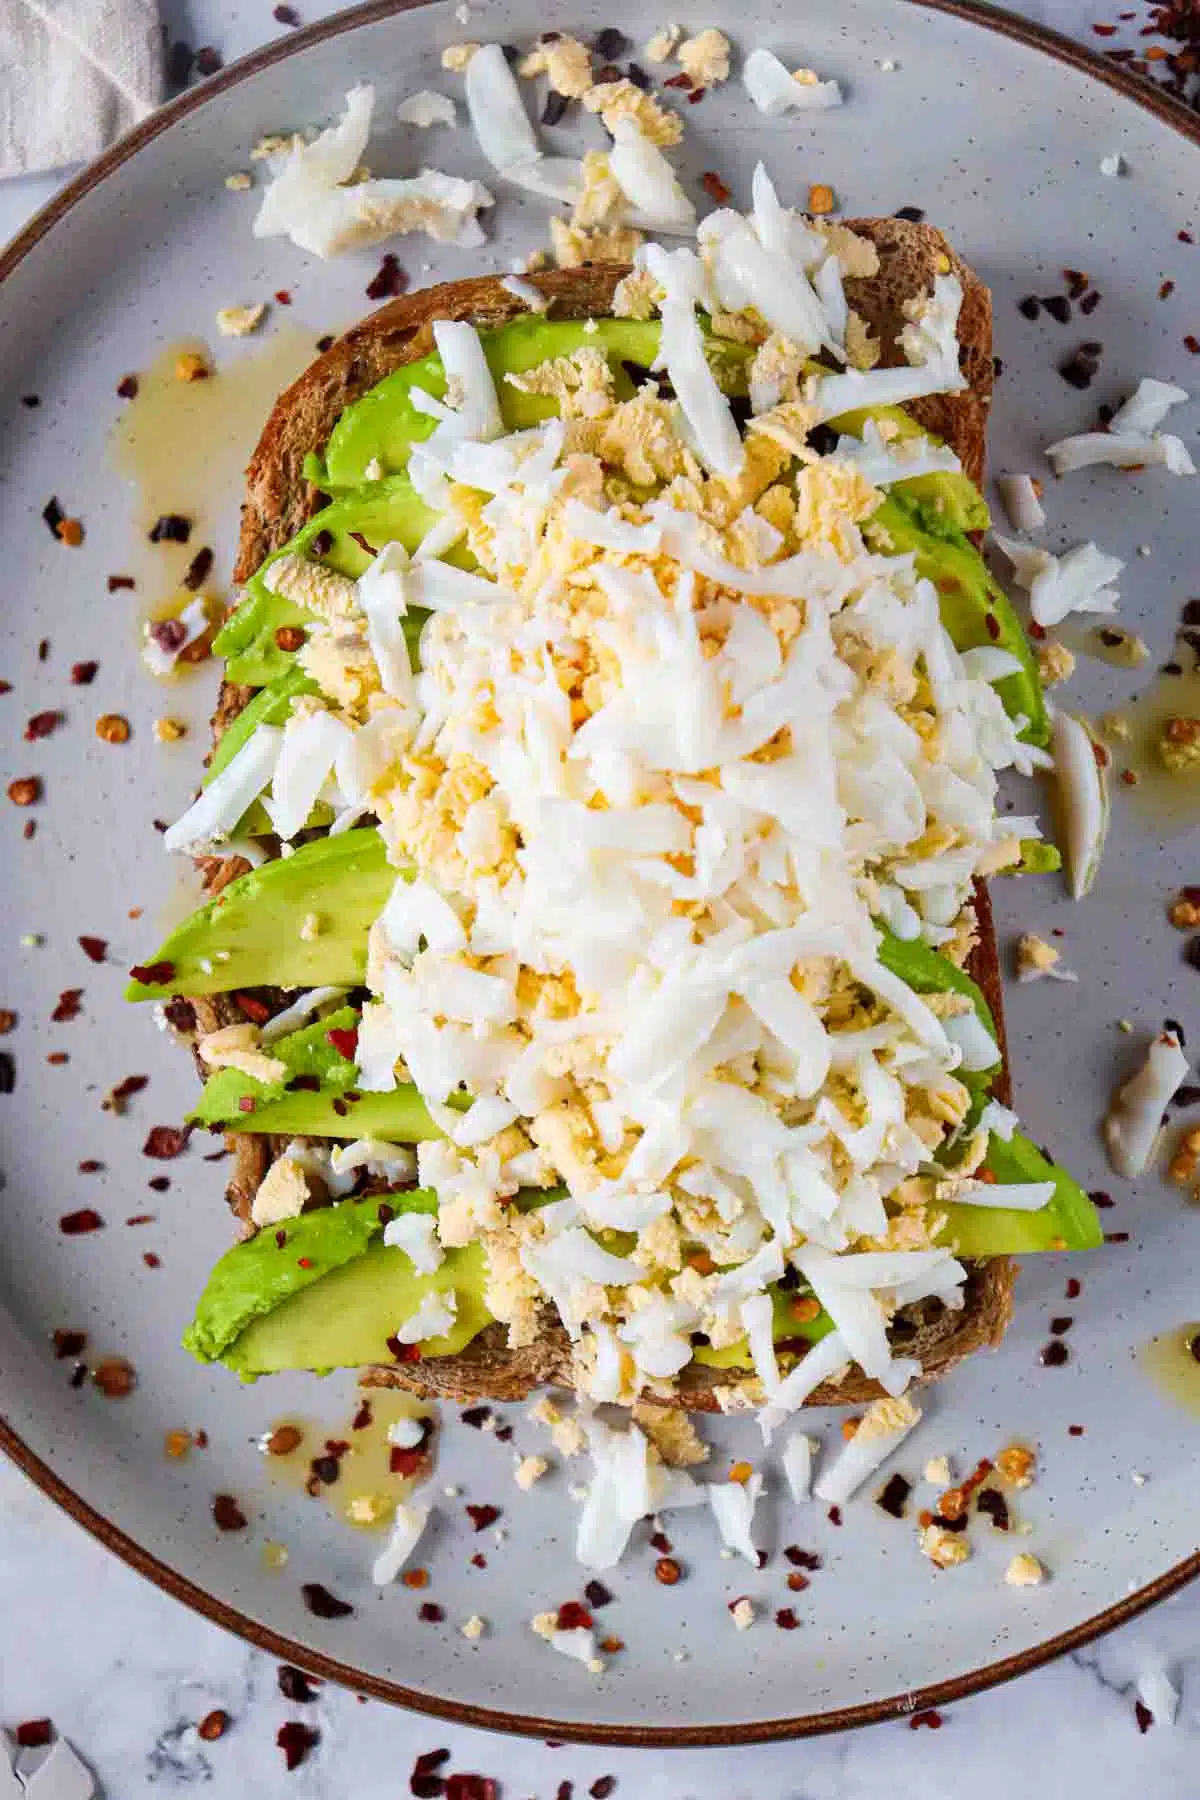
column 126, row 1674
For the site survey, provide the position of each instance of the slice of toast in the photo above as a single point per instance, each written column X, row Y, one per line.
column 279, row 500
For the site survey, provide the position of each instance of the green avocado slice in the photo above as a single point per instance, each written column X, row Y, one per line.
column 926, row 971
column 1068, row 1221
column 345, row 1321
column 270, row 706
column 321, row 1292
column 968, row 596
column 945, row 501
column 309, row 1052
column 384, row 424
column 258, row 1274
column 250, row 935
column 383, row 512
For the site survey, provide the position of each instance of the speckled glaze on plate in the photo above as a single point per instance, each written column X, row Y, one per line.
column 998, row 133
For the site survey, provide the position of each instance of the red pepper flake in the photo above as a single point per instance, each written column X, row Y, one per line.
column 1116, row 1237
column 213, row 1725
column 25, row 790
column 208, row 60
column 1074, row 1288
column 304, row 1262
column 116, row 583
column 322, row 1604
column 425, row 1782
column 404, row 1353
column 170, row 528
column 1143, row 1715
column 679, row 81
column 1074, row 1430
column 471, row 1787
column 157, row 974
column 31, row 1734
column 283, row 297
column 696, row 94
column 430, row 1612
column 415, row 1578
column 227, row 1514
column 1166, row 290
column 405, row 1462
column 600, row 1790
column 68, row 1007
column 94, row 948
column 797, row 1582
column 198, row 570
column 140, row 1219
column 389, row 280
column 41, row 725
column 992, row 1504
column 362, row 1417
column 802, row 1559
column 247, row 1103
column 344, row 1042
column 296, row 1685
column 596, row 1594
column 286, row 15
column 159, row 1183
column 1055, row 1354
column 993, row 625
column 165, row 1142
column 78, row 1224
column 835, row 1515
column 151, row 1260
column 893, row 1496
column 479, row 1560
column 325, row 343
column 83, row 673
column 483, row 1516
column 476, row 1417
column 930, row 1718
column 1058, row 1327
column 90, row 1166
column 714, row 187
column 69, row 1343
column 661, row 1542
column 297, row 1741
column 57, row 1058
column 1192, row 343
column 115, row 1377
column 1105, row 30
column 786, row 1619
column 252, row 1008
column 572, row 1615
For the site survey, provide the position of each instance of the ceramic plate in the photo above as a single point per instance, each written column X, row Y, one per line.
column 1000, row 138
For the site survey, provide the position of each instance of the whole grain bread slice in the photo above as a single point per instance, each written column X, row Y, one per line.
column 279, row 500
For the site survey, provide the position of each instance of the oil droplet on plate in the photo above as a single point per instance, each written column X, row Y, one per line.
column 366, row 1491
column 1168, row 799
column 1173, row 1359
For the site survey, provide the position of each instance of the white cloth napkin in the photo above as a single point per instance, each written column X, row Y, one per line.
column 74, row 74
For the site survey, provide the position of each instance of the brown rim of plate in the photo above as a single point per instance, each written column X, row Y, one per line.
column 941, row 1693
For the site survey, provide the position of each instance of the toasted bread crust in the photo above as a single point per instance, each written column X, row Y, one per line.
column 279, row 500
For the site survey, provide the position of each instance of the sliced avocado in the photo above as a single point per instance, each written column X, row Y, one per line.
column 926, row 971
column 346, row 1321
column 310, row 1053
column 968, row 598
column 384, row 424
column 271, row 706
column 1068, row 1221
column 250, row 935
column 1037, row 858
column 261, row 1273
column 383, row 512
column 946, row 501
column 785, row 1325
